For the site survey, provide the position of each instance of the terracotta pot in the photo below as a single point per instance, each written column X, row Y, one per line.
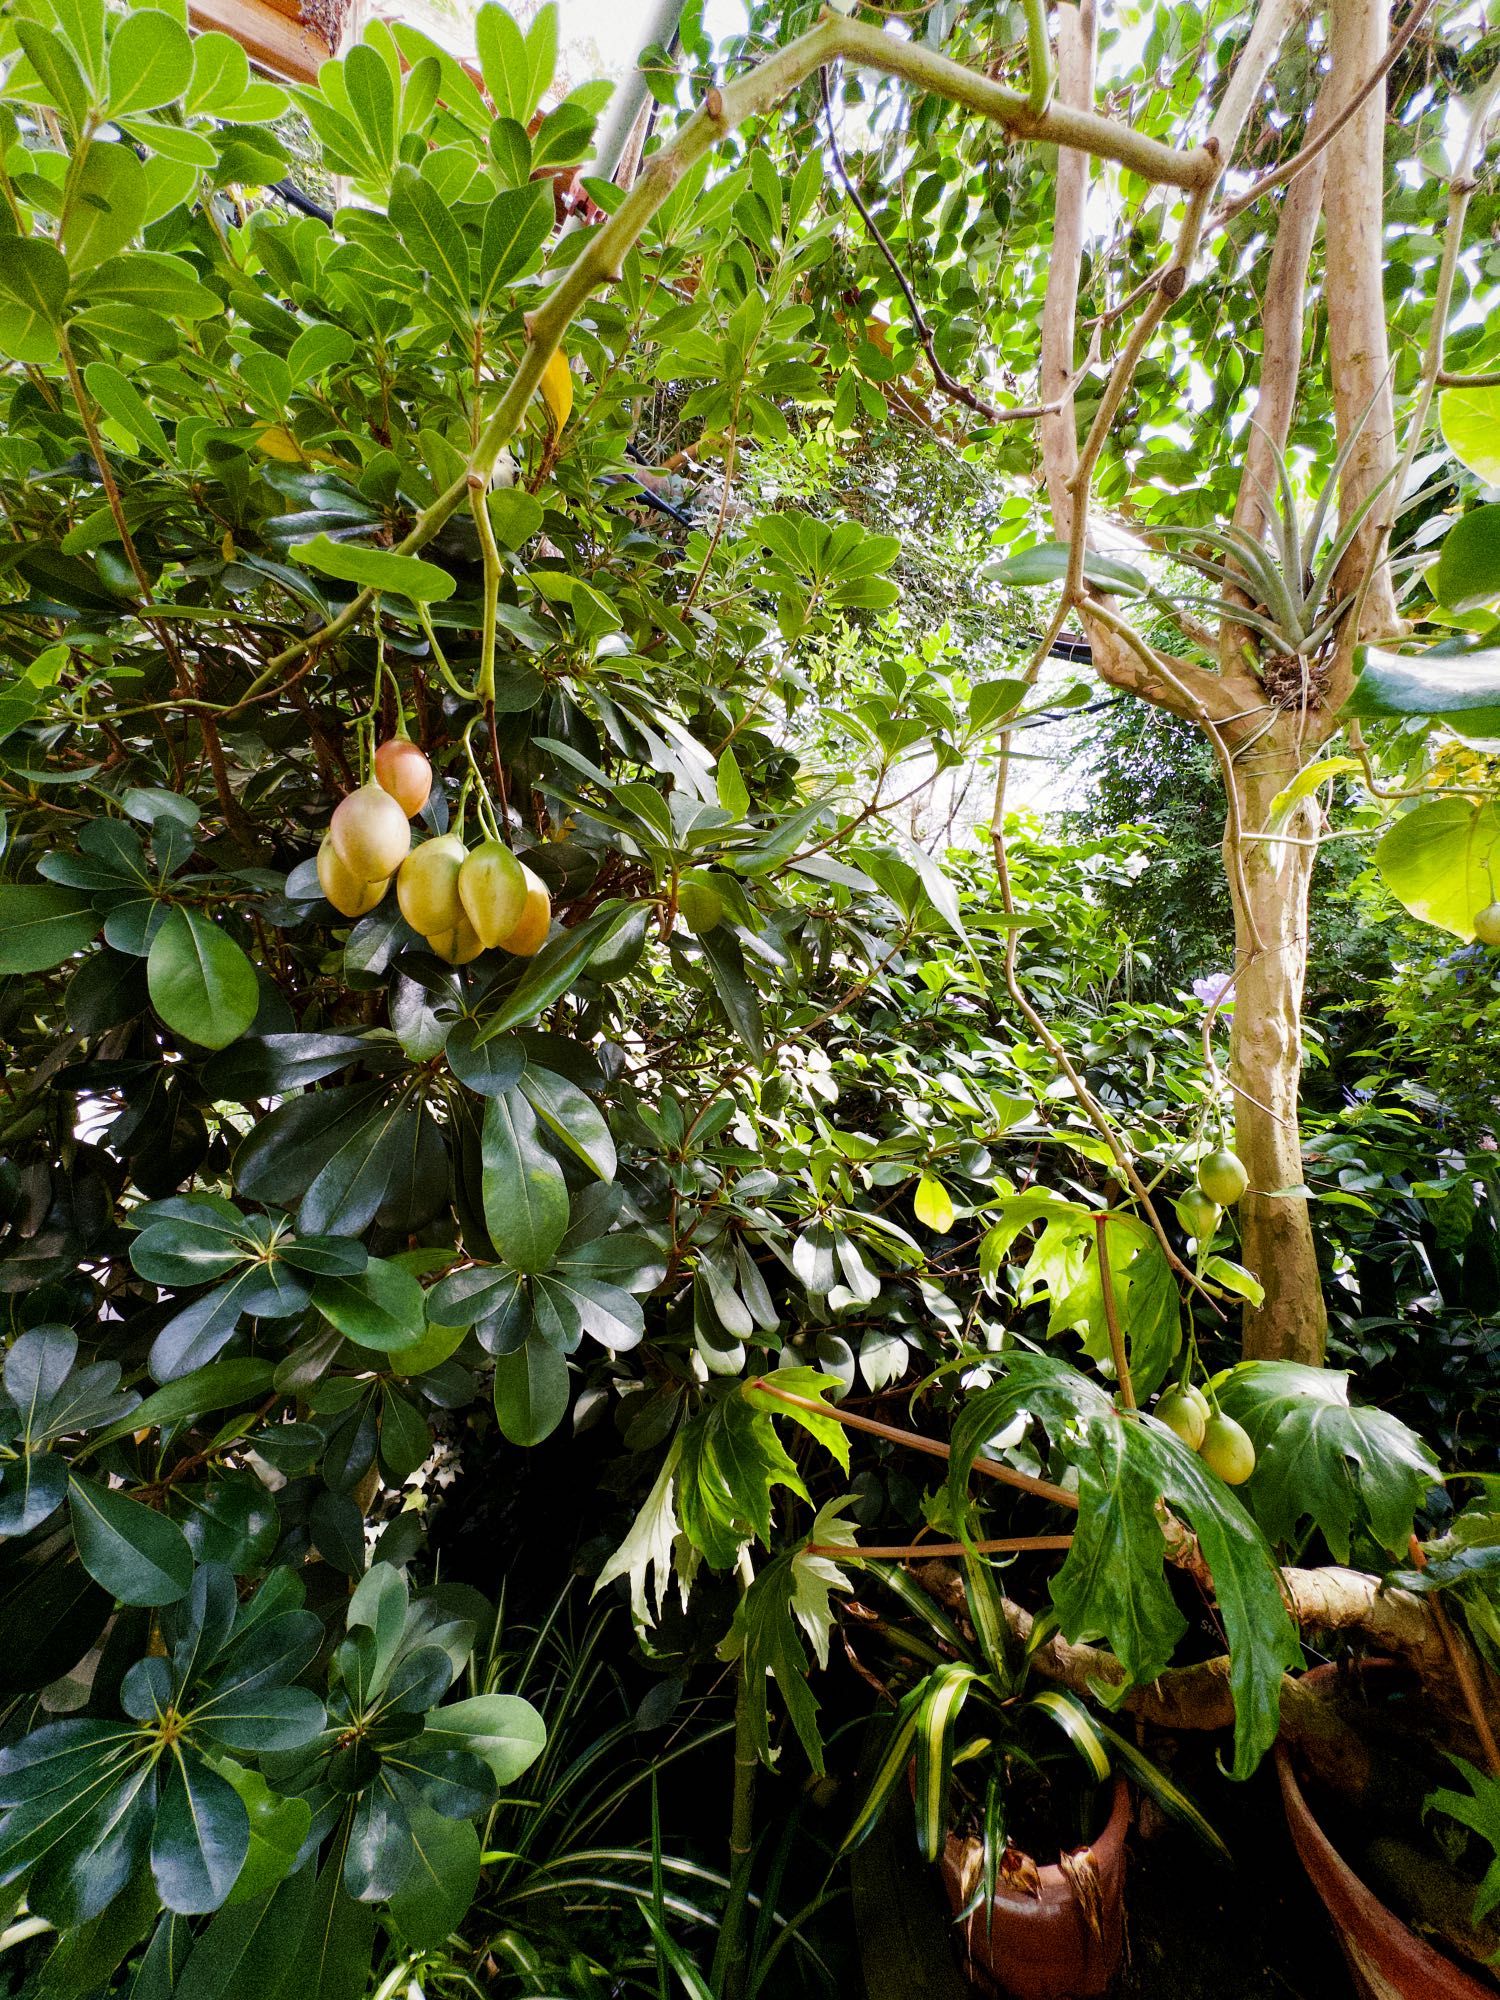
column 1048, row 1946
column 1386, row 1960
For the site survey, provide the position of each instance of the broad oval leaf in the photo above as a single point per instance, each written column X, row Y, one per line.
column 136, row 1554
column 201, row 983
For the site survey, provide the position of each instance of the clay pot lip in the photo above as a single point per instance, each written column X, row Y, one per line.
column 1055, row 1886
column 1356, row 1912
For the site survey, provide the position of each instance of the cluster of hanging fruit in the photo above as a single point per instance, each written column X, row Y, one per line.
column 1222, row 1444
column 462, row 900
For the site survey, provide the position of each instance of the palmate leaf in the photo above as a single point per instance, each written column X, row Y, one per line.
column 732, row 1460
column 765, row 1639
column 1112, row 1584
column 1479, row 1810
column 1320, row 1458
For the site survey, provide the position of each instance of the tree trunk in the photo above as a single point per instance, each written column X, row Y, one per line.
column 1266, row 1057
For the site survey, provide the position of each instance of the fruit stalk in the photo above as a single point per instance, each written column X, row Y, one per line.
column 1111, row 1314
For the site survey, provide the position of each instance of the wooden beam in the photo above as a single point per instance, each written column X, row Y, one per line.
column 286, row 39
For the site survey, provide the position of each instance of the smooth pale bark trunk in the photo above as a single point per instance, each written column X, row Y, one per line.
column 1266, row 1067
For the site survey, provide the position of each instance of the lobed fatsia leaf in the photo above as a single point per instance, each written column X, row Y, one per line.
column 765, row 1639
column 1321, row 1458
column 1112, row 1584
column 731, row 1463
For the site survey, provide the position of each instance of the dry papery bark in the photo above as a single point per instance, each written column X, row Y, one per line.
column 1339, row 1605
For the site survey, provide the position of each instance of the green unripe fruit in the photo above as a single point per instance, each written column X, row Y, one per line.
column 427, row 887
column 1198, row 1215
column 1179, row 1411
column 1226, row 1450
column 1487, row 924
column 699, row 904
column 492, row 889
column 1222, row 1177
column 370, row 834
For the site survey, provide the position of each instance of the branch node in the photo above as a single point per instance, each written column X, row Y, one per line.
column 1172, row 281
column 713, row 104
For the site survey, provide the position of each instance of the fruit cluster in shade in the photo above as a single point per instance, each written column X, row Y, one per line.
column 461, row 900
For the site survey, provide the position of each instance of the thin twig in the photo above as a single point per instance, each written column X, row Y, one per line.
column 989, row 1468
column 1289, row 170
column 956, row 390
column 1463, row 1670
column 1005, row 1545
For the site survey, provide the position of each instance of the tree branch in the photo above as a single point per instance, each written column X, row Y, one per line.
column 751, row 95
column 1304, row 158
column 956, row 390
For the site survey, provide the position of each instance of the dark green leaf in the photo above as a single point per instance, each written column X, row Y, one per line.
column 382, row 1307
column 1320, row 1458
column 40, row 926
column 201, row 1839
column 137, row 1555
column 250, row 1948
column 526, row 1205
column 531, row 1391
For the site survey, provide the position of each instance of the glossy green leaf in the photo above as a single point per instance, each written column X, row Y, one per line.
column 1320, row 1458
column 375, row 569
column 573, row 1117
column 556, row 967
column 201, row 983
column 440, row 1886
column 41, row 925
column 1462, row 689
column 381, row 1307
column 150, row 62
column 250, row 1948
column 1471, row 425
column 1112, row 1583
column 1467, row 573
column 526, row 1206
column 118, row 397
column 201, row 1837
column 531, row 1391
column 136, row 1554
column 1440, row 860
column 516, row 225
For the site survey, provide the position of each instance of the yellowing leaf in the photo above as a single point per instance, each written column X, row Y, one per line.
column 276, row 441
column 557, row 389
column 933, row 1205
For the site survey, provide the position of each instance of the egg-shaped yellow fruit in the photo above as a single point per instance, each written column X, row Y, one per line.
column 427, row 887
column 403, row 771
column 459, row 945
column 370, row 834
column 349, row 897
column 530, row 934
column 492, row 889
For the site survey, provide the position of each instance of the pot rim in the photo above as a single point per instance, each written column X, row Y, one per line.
column 1054, row 1884
column 1356, row 1911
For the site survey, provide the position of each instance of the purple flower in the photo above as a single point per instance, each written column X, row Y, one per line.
column 1208, row 990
